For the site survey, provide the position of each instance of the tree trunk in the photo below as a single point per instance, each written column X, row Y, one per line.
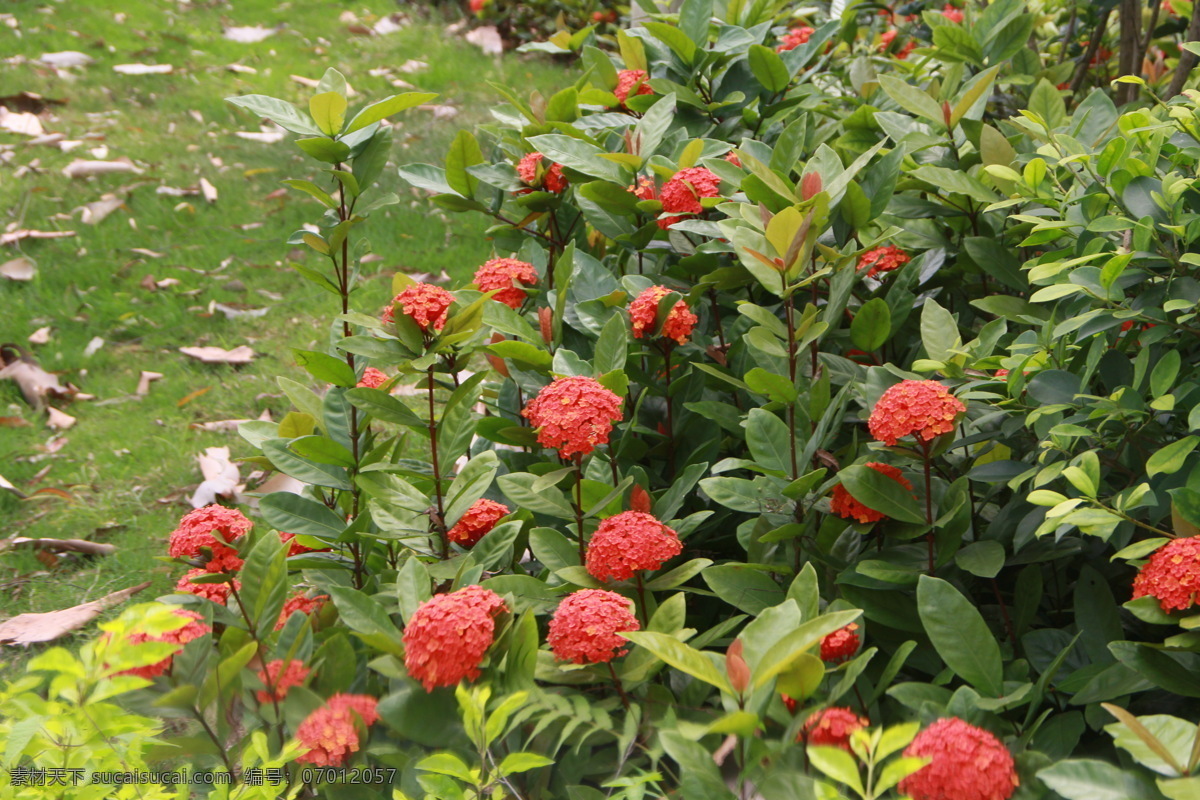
column 1130, row 60
column 1187, row 60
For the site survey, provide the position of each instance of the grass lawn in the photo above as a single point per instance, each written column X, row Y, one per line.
column 128, row 464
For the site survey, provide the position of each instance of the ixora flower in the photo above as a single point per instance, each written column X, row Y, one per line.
column 295, row 548
column 968, row 763
column 504, row 274
column 372, row 379
column 477, row 521
column 278, row 677
column 216, row 592
column 446, row 638
column 330, row 733
column 573, row 414
column 951, row 13
column 424, row 303
column 643, row 314
column 922, row 409
column 794, row 38
column 831, row 727
column 201, row 527
column 194, row 629
column 631, row 81
column 841, row 645
column 298, row 603
column 584, row 628
column 845, row 506
column 627, row 543
column 681, row 194
column 1172, row 575
column 645, row 189
column 552, row 179
column 883, row 259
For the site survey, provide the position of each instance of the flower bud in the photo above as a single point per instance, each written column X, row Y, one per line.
column 810, row 186
column 639, row 499
column 736, row 667
column 496, row 361
column 946, row 114
column 546, row 323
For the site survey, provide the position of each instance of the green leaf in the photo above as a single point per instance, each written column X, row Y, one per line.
column 769, row 440
column 680, row 656
column 1048, row 103
column 984, row 559
column 328, row 110
column 292, row 513
column 324, row 149
column 960, row 635
column 744, row 587
column 613, row 345
column 768, row 68
column 912, row 99
column 470, row 484
column 783, row 654
column 322, row 450
column 518, row 487
column 222, row 679
column 1086, row 779
column 464, row 152
column 673, row 38
column 1159, row 742
column 837, row 764
column 1169, row 460
column 264, row 581
column 879, row 492
column 317, row 192
column 872, row 325
column 939, row 331
column 325, row 367
column 523, row 762
column 980, row 86
column 281, row 112
column 387, row 107
column 382, row 406
column 367, row 618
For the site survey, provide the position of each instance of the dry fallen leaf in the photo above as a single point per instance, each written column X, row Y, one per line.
column 143, row 69
column 142, row 251
column 96, row 211
column 219, row 426
column 221, row 478
column 233, row 311
column 65, row 59
column 29, row 101
column 59, row 420
column 92, row 346
column 81, row 168
column 24, row 123
column 486, row 39
column 208, row 190
column 18, row 235
column 241, row 68
column 249, row 35
column 19, row 269
column 34, row 382
column 144, row 381
column 45, row 627
column 388, row 24
column 412, row 65
column 40, row 336
column 62, row 545
column 266, row 136
column 217, row 355
column 6, row 484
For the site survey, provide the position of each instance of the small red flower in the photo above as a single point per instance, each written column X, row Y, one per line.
column 643, row 314
column 1000, row 373
column 645, row 189
column 279, row 677
column 732, row 158
column 631, row 81
column 639, row 499
column 841, row 645
column 216, row 592
column 201, row 527
column 629, row 542
column 968, row 763
column 504, row 274
column 831, row 727
column 951, row 13
column 794, row 38
column 424, row 303
column 1172, row 575
column 447, row 637
column 922, row 409
column 372, row 379
column 551, row 180
column 478, row 520
column 584, row 628
column 299, row 603
column 180, row 636
column 681, row 194
column 573, row 414
column 883, row 259
column 295, row 548
column 476, row 5
column 330, row 733
column 845, row 506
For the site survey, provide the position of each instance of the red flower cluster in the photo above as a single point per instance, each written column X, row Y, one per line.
column 477, row 521
column 372, row 379
column 681, row 194
column 794, row 38
column 841, row 645
column 631, row 81
column 504, row 274
column 551, row 180
column 299, row 603
column 424, row 303
column 923, row 409
column 279, row 677
column 476, row 5
column 644, row 190
column 573, row 414
column 1172, row 575
column 610, row 16
column 951, row 13
column 831, row 727
column 584, row 628
column 845, row 506
column 968, row 764
column 180, row 636
column 201, row 527
column 886, row 39
column 643, row 314
column 883, row 259
column 216, row 592
column 329, row 733
column 296, row 548
column 629, row 542
column 446, row 638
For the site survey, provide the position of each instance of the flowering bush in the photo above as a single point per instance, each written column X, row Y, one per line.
column 754, row 301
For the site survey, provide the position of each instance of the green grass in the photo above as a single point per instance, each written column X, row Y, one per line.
column 128, row 460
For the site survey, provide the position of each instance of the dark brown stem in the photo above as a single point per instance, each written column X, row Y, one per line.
column 928, row 506
column 345, row 211
column 620, row 688
column 712, row 295
column 579, row 505
column 1092, row 49
column 440, row 524
column 1128, row 62
column 1008, row 626
column 643, row 612
column 1187, row 59
column 667, row 346
column 216, row 741
column 790, row 314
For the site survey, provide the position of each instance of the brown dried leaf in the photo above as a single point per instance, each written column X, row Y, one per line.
column 82, row 168
column 18, row 269
column 46, row 627
column 144, row 381
column 217, row 355
column 35, row 383
column 40, row 336
column 208, row 190
column 18, row 235
column 96, row 211
column 59, row 420
column 24, row 123
column 63, row 545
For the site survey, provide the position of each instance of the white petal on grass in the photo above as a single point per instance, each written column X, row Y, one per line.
column 40, row 336
column 24, row 123
column 143, row 69
column 93, row 346
column 217, row 355
column 249, row 34
column 82, row 168
column 486, row 39
column 66, row 58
